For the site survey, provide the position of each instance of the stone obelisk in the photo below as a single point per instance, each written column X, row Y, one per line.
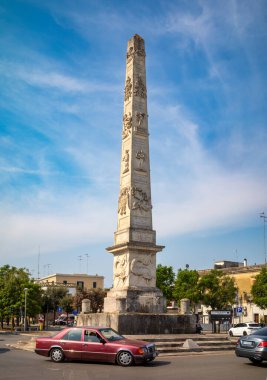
column 134, row 266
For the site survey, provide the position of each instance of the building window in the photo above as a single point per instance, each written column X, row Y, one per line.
column 65, row 282
column 94, row 284
column 80, row 285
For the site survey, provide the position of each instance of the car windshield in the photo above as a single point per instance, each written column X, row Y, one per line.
column 253, row 325
column 111, row 334
column 260, row 332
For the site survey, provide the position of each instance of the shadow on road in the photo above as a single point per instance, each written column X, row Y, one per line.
column 4, row 350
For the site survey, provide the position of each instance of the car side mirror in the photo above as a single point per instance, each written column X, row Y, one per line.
column 102, row 340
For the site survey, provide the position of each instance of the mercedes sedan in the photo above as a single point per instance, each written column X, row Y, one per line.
column 95, row 344
column 253, row 346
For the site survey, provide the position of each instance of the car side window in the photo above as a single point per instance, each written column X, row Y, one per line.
column 91, row 336
column 75, row 335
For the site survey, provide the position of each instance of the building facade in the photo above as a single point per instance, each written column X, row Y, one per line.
column 244, row 310
column 73, row 281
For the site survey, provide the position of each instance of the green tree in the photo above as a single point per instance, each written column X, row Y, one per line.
column 51, row 300
column 13, row 282
column 67, row 304
column 165, row 277
column 217, row 290
column 96, row 297
column 259, row 289
column 186, row 286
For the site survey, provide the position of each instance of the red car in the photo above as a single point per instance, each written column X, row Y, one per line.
column 95, row 344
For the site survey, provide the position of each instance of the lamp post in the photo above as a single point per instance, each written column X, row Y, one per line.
column 25, row 309
column 262, row 215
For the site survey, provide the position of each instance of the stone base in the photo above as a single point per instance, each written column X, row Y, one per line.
column 133, row 300
column 138, row 323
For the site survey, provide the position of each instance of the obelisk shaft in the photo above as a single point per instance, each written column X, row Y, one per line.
column 135, row 209
column 134, row 266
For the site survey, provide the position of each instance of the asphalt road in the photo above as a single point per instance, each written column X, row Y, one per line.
column 20, row 365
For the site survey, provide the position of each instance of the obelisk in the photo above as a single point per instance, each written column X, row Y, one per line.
column 134, row 266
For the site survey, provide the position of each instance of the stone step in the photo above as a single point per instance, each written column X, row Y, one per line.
column 182, row 339
column 176, row 350
column 201, row 344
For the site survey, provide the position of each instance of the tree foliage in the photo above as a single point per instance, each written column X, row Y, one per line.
column 217, row 290
column 165, row 277
column 259, row 289
column 186, row 286
column 67, row 304
column 95, row 296
column 13, row 282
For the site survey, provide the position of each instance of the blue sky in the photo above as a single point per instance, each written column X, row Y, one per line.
column 62, row 72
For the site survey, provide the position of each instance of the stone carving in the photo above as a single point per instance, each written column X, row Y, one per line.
column 140, row 200
column 123, row 200
column 120, row 270
column 140, row 118
column 139, row 88
column 128, row 89
column 138, row 48
column 126, row 159
column 142, row 267
column 135, row 51
column 127, row 125
column 141, row 157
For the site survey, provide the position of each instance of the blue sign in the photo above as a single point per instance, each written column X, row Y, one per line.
column 239, row 309
column 59, row 309
column 74, row 312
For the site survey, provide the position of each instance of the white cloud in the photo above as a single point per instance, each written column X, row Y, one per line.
column 195, row 190
column 86, row 222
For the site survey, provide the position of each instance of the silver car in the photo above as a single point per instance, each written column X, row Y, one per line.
column 253, row 346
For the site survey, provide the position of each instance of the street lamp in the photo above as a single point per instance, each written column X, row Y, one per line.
column 25, row 310
column 262, row 215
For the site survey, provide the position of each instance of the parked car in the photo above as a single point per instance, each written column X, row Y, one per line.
column 253, row 346
column 245, row 328
column 95, row 344
column 63, row 320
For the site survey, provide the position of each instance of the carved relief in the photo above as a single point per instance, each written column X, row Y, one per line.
column 127, row 125
column 139, row 88
column 125, row 160
column 128, row 89
column 123, row 200
column 137, row 49
column 140, row 119
column 140, row 200
column 143, row 267
column 141, row 157
column 120, row 270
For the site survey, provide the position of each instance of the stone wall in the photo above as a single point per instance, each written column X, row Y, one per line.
column 138, row 323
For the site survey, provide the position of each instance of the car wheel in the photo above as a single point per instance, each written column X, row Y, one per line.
column 57, row 355
column 245, row 333
column 231, row 333
column 255, row 361
column 125, row 358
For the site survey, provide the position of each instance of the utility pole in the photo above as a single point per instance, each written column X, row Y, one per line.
column 264, row 217
column 80, row 260
column 87, row 257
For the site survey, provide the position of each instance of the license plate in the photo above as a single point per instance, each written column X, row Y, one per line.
column 246, row 343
